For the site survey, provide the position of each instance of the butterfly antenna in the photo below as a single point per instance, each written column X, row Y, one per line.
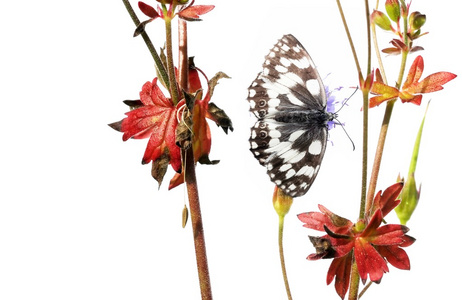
column 338, row 123
column 345, row 102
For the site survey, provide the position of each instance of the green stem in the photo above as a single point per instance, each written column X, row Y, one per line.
column 281, row 256
column 160, row 67
column 365, row 117
column 350, row 40
column 354, row 282
column 383, row 136
column 170, row 65
column 377, row 49
column 386, row 119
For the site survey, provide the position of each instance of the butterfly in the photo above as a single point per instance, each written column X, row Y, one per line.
column 289, row 100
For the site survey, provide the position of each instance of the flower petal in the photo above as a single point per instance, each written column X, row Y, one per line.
column 396, row 256
column 313, row 220
column 340, row 268
column 387, row 200
column 390, row 234
column 192, row 13
column 415, row 72
column 369, row 261
column 148, row 10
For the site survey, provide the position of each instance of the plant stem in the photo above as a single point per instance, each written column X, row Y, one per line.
column 368, row 285
column 160, row 67
column 281, row 256
column 170, row 66
column 382, row 137
column 354, row 282
column 191, row 181
column 386, row 120
column 183, row 55
column 350, row 40
column 197, row 227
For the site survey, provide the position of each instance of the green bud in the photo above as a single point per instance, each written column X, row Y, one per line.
column 416, row 20
column 410, row 194
column 381, row 20
column 409, row 200
column 281, row 202
column 393, row 10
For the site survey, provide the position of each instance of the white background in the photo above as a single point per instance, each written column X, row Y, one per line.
column 81, row 218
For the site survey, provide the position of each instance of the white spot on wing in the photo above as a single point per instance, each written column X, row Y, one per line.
column 303, row 63
column 290, row 174
column 313, row 86
column 273, row 142
column 315, row 147
column 281, row 69
column 274, row 134
column 307, row 171
column 285, row 62
column 285, row 167
column 294, row 100
column 295, row 135
column 274, row 102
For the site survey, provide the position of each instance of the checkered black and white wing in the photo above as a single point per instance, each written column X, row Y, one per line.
column 289, row 100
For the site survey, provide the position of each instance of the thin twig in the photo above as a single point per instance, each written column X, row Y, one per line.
column 281, row 256
column 160, row 67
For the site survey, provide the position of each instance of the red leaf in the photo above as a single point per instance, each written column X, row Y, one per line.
column 415, row 72
column 192, row 13
column 157, row 120
column 148, row 10
column 432, row 83
column 384, row 91
column 386, row 201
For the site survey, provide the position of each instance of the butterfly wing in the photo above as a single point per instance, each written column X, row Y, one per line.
column 289, row 100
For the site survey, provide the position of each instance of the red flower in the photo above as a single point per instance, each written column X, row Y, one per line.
column 203, row 109
column 155, row 117
column 412, row 89
column 371, row 245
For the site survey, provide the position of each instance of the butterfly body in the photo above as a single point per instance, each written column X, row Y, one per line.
column 289, row 100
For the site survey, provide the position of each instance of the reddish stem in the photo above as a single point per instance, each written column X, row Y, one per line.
column 190, row 178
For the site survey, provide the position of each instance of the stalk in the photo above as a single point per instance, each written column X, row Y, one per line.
column 190, row 178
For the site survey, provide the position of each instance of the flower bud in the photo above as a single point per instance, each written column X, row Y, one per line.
column 409, row 199
column 281, row 202
column 381, row 20
column 416, row 21
column 410, row 194
column 393, row 9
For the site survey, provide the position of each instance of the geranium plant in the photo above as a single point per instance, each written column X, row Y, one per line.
column 171, row 113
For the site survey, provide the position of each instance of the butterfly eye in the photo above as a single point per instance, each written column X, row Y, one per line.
column 263, row 134
column 262, row 103
column 262, row 113
column 262, row 125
